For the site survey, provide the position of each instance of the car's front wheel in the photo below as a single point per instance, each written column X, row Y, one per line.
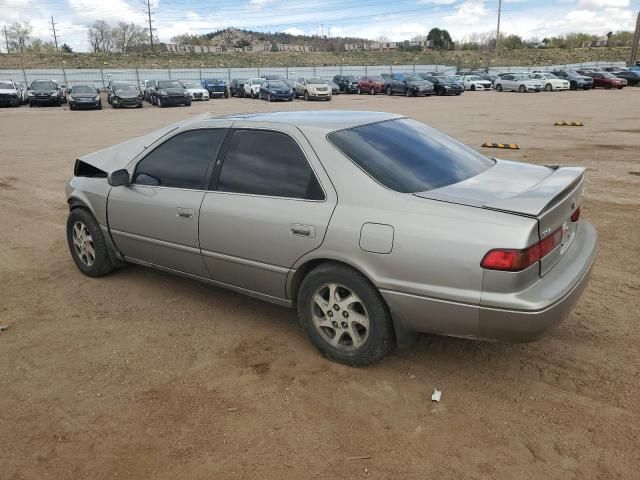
column 389, row 91
column 345, row 316
column 87, row 244
column 548, row 87
column 522, row 89
column 306, row 95
column 499, row 87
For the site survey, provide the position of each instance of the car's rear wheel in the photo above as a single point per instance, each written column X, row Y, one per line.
column 548, row 87
column 499, row 87
column 306, row 95
column 87, row 244
column 522, row 89
column 159, row 102
column 345, row 316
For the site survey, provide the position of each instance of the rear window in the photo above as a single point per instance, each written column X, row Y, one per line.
column 408, row 156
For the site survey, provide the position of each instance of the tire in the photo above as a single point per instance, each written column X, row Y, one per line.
column 269, row 98
column 30, row 105
column 187, row 104
column 71, row 107
column 389, row 90
column 80, row 223
column 159, row 102
column 358, row 344
column 372, row 91
column 548, row 87
column 100, row 106
column 607, row 87
column 328, row 99
column 408, row 93
column 473, row 87
column 522, row 89
column 359, row 91
column 138, row 106
column 573, row 85
column 306, row 95
column 499, row 87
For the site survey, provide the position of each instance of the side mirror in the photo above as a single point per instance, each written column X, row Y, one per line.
column 118, row 178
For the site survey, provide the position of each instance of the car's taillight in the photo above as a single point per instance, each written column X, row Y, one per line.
column 575, row 215
column 514, row 260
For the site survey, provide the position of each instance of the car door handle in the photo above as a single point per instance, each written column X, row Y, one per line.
column 185, row 213
column 303, row 230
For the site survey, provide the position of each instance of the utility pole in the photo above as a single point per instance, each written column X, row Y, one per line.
column 634, row 47
column 322, row 30
column 498, row 29
column 6, row 38
column 150, row 25
column 53, row 29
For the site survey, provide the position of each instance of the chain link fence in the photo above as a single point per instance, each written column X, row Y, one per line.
column 100, row 77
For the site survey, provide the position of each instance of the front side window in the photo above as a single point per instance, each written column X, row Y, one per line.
column 408, row 156
column 182, row 161
column 262, row 162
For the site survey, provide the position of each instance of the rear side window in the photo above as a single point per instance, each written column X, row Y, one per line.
column 261, row 162
column 182, row 161
column 408, row 156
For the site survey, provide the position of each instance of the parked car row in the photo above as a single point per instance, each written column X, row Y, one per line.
column 163, row 93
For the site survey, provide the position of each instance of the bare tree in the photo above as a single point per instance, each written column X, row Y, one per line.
column 19, row 36
column 101, row 37
column 129, row 36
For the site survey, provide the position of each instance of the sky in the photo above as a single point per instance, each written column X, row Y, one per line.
column 395, row 19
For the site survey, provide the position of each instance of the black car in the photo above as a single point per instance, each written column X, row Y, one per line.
column 124, row 94
column 444, row 85
column 346, row 83
column 84, row 96
column 408, row 84
column 169, row 92
column 236, row 88
column 632, row 78
column 576, row 81
column 45, row 92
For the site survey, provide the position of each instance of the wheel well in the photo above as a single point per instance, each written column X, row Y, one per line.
column 75, row 203
column 305, row 268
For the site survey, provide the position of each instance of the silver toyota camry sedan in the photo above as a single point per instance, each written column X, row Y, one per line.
column 371, row 225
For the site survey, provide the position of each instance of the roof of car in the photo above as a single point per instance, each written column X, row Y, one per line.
column 326, row 119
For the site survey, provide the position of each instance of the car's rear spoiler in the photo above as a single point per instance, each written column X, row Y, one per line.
column 536, row 200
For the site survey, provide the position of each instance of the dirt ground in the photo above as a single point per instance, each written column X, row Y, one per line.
column 141, row 374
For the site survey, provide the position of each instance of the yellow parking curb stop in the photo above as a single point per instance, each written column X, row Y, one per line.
column 508, row 146
column 568, row 124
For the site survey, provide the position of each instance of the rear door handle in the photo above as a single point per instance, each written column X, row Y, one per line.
column 302, row 230
column 185, row 213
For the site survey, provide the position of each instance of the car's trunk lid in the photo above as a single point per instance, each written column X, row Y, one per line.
column 549, row 194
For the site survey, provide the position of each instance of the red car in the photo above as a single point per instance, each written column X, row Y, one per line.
column 370, row 85
column 605, row 80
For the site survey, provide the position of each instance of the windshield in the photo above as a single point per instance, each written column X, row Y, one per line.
column 315, row 81
column 215, row 80
column 453, row 78
column 191, row 85
column 474, row 78
column 608, row 75
column 6, row 85
column 408, row 156
column 42, row 85
column 83, row 89
column 277, row 84
column 169, row 84
column 549, row 76
column 349, row 78
column 130, row 89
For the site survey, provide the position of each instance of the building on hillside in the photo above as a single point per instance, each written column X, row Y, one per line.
column 350, row 47
column 259, row 47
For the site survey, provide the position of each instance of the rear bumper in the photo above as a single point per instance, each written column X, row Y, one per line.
column 522, row 316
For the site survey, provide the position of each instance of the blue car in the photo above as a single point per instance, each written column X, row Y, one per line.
column 216, row 87
column 275, row 90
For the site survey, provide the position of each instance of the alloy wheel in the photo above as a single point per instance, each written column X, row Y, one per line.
column 83, row 244
column 340, row 316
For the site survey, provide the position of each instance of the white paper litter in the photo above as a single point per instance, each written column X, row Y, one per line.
column 435, row 396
